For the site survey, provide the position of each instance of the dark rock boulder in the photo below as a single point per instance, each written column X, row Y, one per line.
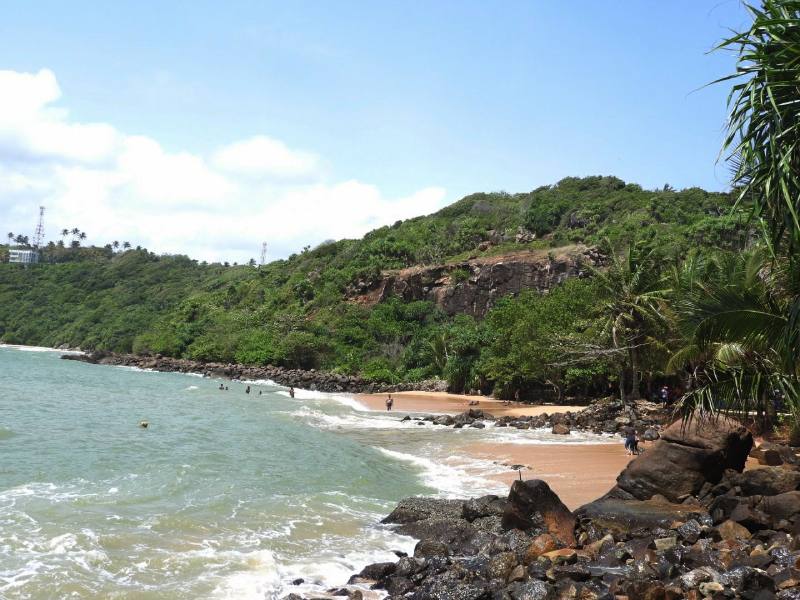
column 629, row 515
column 485, row 506
column 411, row 510
column 687, row 456
column 533, row 505
column 767, row 481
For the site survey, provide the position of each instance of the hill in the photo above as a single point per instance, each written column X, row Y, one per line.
column 320, row 308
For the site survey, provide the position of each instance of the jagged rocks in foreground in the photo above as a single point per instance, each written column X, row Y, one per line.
column 712, row 531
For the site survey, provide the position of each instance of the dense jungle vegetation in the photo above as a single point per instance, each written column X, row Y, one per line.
column 295, row 312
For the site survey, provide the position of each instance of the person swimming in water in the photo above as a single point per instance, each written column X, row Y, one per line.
column 247, row 391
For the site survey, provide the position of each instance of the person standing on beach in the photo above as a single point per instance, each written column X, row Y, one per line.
column 389, row 402
column 630, row 440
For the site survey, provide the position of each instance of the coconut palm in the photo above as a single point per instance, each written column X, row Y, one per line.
column 126, row 245
column 10, row 237
column 64, row 233
column 115, row 244
column 631, row 317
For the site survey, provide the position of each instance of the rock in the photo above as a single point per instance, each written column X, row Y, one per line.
column 410, row 510
column 561, row 429
column 694, row 578
column 767, row 481
column 518, row 573
column 485, row 506
column 561, row 555
column 781, row 506
column 650, row 435
column 709, row 588
column 377, row 571
column 628, row 515
column 533, row 505
column 731, row 530
column 771, row 454
column 690, row 531
column 666, row 543
column 500, row 566
column 530, row 590
column 428, row 548
column 684, row 459
column 541, row 544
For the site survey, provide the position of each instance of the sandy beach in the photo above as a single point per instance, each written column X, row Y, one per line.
column 444, row 403
column 578, row 473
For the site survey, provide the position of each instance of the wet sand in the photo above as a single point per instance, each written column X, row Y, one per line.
column 444, row 403
column 578, row 473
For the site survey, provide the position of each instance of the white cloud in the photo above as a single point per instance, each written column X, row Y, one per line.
column 261, row 156
column 128, row 187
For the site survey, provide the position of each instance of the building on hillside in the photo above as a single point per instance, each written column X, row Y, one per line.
column 24, row 257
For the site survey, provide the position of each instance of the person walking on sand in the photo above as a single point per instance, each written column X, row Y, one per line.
column 389, row 402
column 630, row 441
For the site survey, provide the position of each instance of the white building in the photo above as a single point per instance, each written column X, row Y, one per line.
column 25, row 257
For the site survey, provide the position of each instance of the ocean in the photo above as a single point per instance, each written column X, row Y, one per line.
column 224, row 495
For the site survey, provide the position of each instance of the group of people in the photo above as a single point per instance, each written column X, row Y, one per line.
column 223, row 387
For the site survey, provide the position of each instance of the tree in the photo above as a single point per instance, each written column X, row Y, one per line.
column 64, row 233
column 82, row 235
column 631, row 315
column 126, row 245
column 751, row 318
column 115, row 244
column 10, row 236
column 763, row 140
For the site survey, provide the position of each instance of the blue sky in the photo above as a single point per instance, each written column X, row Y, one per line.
column 415, row 104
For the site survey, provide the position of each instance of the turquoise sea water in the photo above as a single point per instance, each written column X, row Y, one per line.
column 225, row 495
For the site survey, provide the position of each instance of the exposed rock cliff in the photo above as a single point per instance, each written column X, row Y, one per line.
column 473, row 286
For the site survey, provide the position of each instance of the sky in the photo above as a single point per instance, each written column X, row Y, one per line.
column 206, row 128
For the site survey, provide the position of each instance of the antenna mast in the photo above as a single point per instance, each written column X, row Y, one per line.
column 263, row 253
column 38, row 237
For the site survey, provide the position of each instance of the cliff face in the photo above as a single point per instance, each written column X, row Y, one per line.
column 473, row 286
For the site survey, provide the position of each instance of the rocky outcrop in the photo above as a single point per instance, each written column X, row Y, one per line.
column 635, row 549
column 605, row 415
column 473, row 286
column 313, row 380
column 687, row 457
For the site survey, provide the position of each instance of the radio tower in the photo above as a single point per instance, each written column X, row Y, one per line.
column 263, row 253
column 38, row 237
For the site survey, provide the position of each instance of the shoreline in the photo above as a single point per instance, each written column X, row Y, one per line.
column 577, row 473
column 418, row 401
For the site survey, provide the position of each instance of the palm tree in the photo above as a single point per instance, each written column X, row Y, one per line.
column 75, row 231
column 115, row 244
column 10, row 237
column 763, row 140
column 749, row 318
column 738, row 353
column 631, row 316
column 82, row 235
column 126, row 245
column 64, row 233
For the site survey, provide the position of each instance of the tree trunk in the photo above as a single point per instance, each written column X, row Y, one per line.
column 634, row 395
column 622, row 384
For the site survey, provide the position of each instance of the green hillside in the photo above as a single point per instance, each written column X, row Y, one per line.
column 294, row 312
